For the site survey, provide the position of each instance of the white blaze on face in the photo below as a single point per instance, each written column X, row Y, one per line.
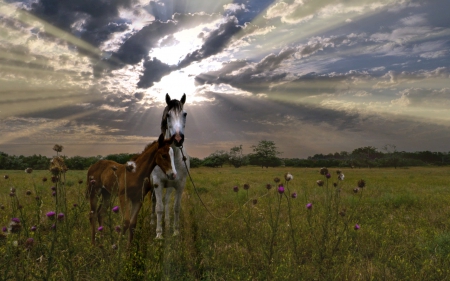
column 176, row 123
column 172, row 163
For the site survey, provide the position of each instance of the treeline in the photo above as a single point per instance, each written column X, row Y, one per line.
column 265, row 154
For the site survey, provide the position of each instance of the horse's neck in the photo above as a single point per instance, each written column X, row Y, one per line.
column 146, row 162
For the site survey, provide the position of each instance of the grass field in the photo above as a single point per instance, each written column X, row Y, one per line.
column 403, row 215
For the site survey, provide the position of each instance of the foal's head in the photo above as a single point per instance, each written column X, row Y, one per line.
column 164, row 156
column 174, row 119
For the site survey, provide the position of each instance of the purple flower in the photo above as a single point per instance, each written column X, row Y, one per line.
column 33, row 228
column 115, row 209
column 5, row 229
column 51, row 215
column 294, row 195
column 309, row 206
column 236, row 189
column 281, row 189
column 246, row 186
column 54, row 193
column 60, row 216
column 357, row 227
column 117, row 228
column 16, row 220
column 100, row 228
column 268, row 186
column 53, row 188
column 29, row 243
column 53, row 227
column 28, row 192
column 75, row 205
column 328, row 176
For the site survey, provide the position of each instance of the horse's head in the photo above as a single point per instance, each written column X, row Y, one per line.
column 174, row 119
column 164, row 156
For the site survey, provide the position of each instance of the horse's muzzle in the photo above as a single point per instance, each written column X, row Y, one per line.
column 171, row 175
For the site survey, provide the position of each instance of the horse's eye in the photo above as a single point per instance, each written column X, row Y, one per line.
column 164, row 156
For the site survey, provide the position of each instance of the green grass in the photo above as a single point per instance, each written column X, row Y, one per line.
column 404, row 216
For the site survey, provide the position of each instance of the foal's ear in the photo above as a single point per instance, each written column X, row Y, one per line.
column 167, row 99
column 161, row 141
column 183, row 99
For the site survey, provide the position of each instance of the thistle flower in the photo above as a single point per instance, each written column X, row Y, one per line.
column 114, row 247
column 309, row 206
column 53, row 188
column 361, row 183
column 60, row 216
column 117, row 228
column 14, row 225
column 51, row 215
column 236, row 188
column 357, row 227
column 328, row 176
column 341, row 177
column 53, row 227
column 276, row 180
column 246, row 186
column 4, row 229
column 19, row 206
column 294, row 195
column 335, row 184
column 288, row 176
column 12, row 189
column 75, row 205
column 37, row 198
column 44, row 179
column 323, row 171
column 54, row 193
column 338, row 172
column 2, row 207
column 54, row 179
column 28, row 192
column 281, row 189
column 355, row 190
column 29, row 243
column 80, row 181
column 320, row 182
column 12, row 194
column 28, row 170
column 100, row 228
column 33, row 228
column 6, row 177
column 115, row 209
column 268, row 186
column 255, row 201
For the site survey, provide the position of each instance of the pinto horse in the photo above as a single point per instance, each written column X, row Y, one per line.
column 172, row 126
column 129, row 181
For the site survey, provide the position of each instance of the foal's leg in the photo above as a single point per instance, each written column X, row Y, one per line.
column 153, row 215
column 135, row 207
column 102, row 209
column 93, row 199
column 124, row 205
column 177, row 208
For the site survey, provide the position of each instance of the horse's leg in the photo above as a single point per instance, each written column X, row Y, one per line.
column 153, row 215
column 124, row 205
column 177, row 207
column 135, row 207
column 93, row 199
column 159, row 211
column 167, row 207
column 106, row 198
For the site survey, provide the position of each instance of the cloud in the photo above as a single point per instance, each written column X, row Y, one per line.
column 154, row 71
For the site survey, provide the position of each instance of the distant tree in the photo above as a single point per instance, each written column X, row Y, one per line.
column 364, row 156
column 216, row 159
column 120, row 158
column 236, row 158
column 265, row 154
column 392, row 156
column 195, row 162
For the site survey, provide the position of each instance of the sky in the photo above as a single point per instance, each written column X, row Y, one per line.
column 313, row 76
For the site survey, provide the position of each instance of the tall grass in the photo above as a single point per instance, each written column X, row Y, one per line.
column 403, row 215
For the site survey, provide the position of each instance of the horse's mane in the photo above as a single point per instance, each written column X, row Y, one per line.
column 147, row 147
column 173, row 104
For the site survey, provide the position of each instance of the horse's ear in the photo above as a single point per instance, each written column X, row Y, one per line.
column 167, row 99
column 183, row 99
column 161, row 141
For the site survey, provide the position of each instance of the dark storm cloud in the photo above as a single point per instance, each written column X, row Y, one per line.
column 154, row 71
column 214, row 43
